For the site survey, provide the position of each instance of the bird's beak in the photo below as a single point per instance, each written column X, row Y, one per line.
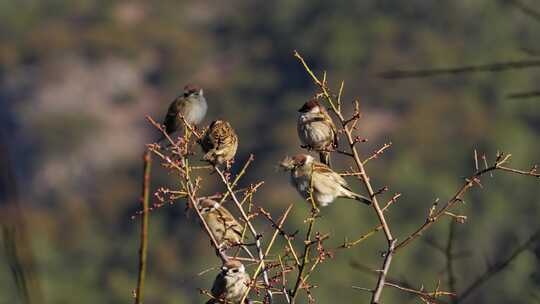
column 201, row 92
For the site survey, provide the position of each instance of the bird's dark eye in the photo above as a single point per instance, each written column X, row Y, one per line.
column 186, row 94
column 235, row 270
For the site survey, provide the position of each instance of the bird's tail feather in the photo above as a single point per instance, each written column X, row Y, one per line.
column 361, row 198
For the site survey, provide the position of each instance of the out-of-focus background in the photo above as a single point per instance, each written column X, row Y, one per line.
column 78, row 77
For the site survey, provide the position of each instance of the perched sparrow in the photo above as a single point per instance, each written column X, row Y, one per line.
column 230, row 284
column 327, row 184
column 219, row 142
column 221, row 222
column 317, row 130
column 191, row 104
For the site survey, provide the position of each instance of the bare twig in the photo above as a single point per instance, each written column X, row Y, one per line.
column 521, row 95
column 143, row 249
column 430, row 297
column 251, row 158
column 458, row 197
column 261, row 262
column 347, row 244
column 305, row 259
column 378, row 153
column 391, row 201
column 449, row 254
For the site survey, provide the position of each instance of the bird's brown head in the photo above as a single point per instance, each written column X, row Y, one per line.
column 192, row 89
column 233, row 266
column 300, row 159
column 310, row 106
column 207, row 205
column 289, row 163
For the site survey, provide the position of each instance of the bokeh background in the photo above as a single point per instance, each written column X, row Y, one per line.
column 78, row 77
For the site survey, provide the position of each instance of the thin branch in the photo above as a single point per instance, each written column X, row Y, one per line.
column 286, row 236
column 189, row 190
column 143, row 249
column 346, row 244
column 364, row 179
column 391, row 201
column 261, row 262
column 254, row 233
column 498, row 267
column 533, row 172
column 522, row 95
column 430, row 297
column 251, row 158
column 525, row 9
column 449, row 254
column 305, row 259
column 284, row 281
column 492, row 67
column 458, row 197
column 378, row 153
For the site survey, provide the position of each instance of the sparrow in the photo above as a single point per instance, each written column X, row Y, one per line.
column 219, row 142
column 230, row 284
column 223, row 226
column 316, row 129
column 191, row 104
column 327, row 185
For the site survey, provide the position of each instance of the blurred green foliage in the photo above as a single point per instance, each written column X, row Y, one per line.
column 77, row 77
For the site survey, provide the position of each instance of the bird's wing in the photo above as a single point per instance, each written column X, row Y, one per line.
column 324, row 178
column 219, row 287
column 329, row 122
column 323, row 183
column 325, row 172
column 171, row 121
column 321, row 168
column 229, row 221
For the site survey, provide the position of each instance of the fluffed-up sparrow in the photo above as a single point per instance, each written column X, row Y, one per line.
column 222, row 224
column 230, row 284
column 220, row 142
column 316, row 129
column 191, row 104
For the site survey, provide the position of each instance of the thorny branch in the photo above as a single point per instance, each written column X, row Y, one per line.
column 335, row 106
column 470, row 182
column 305, row 257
